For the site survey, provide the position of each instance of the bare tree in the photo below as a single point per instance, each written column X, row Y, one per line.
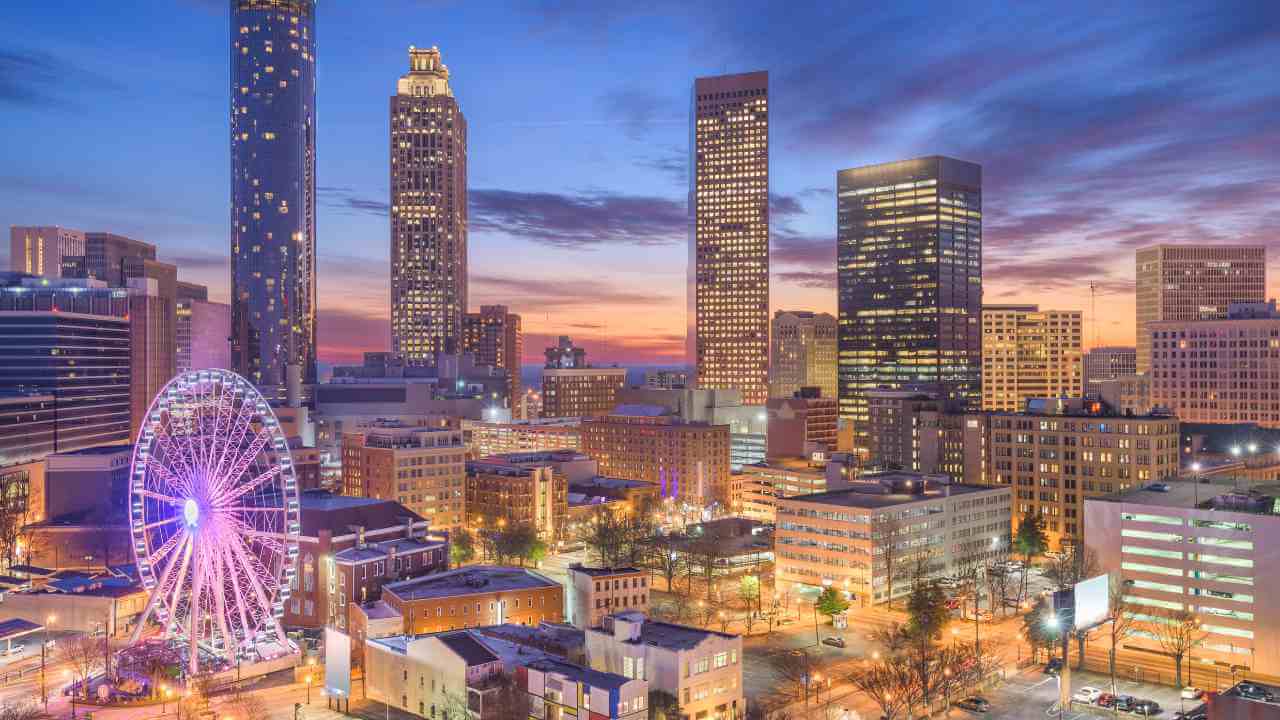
column 248, row 706
column 998, row 586
column 886, row 683
column 795, row 669
column 705, row 554
column 886, row 533
column 22, row 711
column 665, row 558
column 83, row 654
column 1121, row 625
column 1178, row 632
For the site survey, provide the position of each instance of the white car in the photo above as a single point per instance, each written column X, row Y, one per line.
column 15, row 649
column 1087, row 694
column 1191, row 693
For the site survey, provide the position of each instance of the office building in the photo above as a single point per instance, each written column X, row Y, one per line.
column 802, row 353
column 909, row 276
column 581, row 392
column 898, row 430
column 1029, row 353
column 1219, row 371
column 728, row 286
column 88, row 484
column 419, row 467
column 428, row 212
column 701, row 669
column 152, row 356
column 519, row 489
column 28, row 426
column 1108, row 363
column 107, row 256
column 495, row 338
column 561, row 689
column 1194, row 282
column 273, row 192
column 748, row 424
column 1203, row 548
column 756, row 488
column 42, row 250
column 473, row 596
column 688, row 461
column 667, row 379
column 494, row 438
column 1127, row 394
column 868, row 539
column 1058, row 453
column 802, row 426
column 597, row 592
column 203, row 330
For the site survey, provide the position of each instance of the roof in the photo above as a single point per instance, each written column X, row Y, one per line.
column 467, row 647
column 17, row 627
column 603, row 572
column 611, row 483
column 1218, row 493
column 866, row 498
column 379, row 610
column 97, row 450
column 670, row 635
column 469, row 581
column 641, row 410
column 578, row 673
column 557, row 638
column 321, row 510
column 379, row 550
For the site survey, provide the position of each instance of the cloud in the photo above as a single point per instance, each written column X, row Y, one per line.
column 784, row 206
column 579, row 221
column 198, row 262
column 812, row 251
column 348, row 202
column 344, row 335
column 809, row 278
column 38, row 79
column 532, row 295
column 670, row 161
column 639, row 109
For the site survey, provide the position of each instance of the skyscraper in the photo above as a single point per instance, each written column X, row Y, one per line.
column 802, row 353
column 1194, row 282
column 428, row 212
column 40, row 250
column 494, row 336
column 1029, row 353
column 273, row 184
column 152, row 361
column 909, row 278
column 728, row 292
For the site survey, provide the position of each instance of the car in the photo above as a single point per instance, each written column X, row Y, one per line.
column 833, row 641
column 983, row 615
column 1086, row 694
column 1106, row 700
column 1253, row 691
column 1191, row 693
column 975, row 704
column 1197, row 713
column 1124, row 703
column 953, row 603
column 1145, row 707
column 1053, row 667
column 15, row 649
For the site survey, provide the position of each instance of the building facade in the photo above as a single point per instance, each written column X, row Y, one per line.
column 1193, row 282
column 494, row 438
column 474, row 596
column 581, row 392
column 152, row 352
column 802, row 353
column 560, row 689
column 909, row 281
column 1029, row 353
column 40, row 250
column 203, row 330
column 728, row 291
column 114, row 258
column 758, row 487
column 421, row 468
column 273, row 192
column 495, row 337
column 595, row 593
column 428, row 212
column 1108, row 363
column 802, row 426
column 688, row 461
column 518, row 489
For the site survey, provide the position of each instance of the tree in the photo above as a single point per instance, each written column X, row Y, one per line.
column 83, row 654
column 462, row 547
column 669, row 562
column 1178, row 633
column 998, row 586
column 705, row 554
column 763, row 708
column 831, row 603
column 21, row 711
column 537, row 552
column 1030, row 542
column 1040, row 626
column 663, row 706
column 456, row 708
column 1121, row 625
column 886, row 683
column 885, row 536
column 248, row 706
column 795, row 669
column 509, row 701
column 927, row 609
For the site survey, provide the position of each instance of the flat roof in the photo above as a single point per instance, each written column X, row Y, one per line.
column 670, row 635
column 469, row 581
column 17, row 627
column 602, row 572
column 1187, row 494
column 855, row 497
column 97, row 450
column 578, row 673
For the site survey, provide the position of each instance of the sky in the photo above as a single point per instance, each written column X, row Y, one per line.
column 1101, row 128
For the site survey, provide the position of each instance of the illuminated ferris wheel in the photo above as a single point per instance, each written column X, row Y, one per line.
column 214, row 516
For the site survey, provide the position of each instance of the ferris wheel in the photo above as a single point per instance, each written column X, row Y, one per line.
column 214, row 515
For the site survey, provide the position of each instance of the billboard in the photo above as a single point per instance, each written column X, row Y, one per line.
column 337, row 663
column 1092, row 602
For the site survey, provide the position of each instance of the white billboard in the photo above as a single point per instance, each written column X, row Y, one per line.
column 337, row 663
column 1092, row 602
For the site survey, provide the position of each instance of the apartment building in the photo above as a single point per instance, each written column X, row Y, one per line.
column 803, row 425
column 520, row 489
column 421, row 468
column 1029, row 353
column 473, row 596
column 756, row 488
column 595, row 593
column 687, row 460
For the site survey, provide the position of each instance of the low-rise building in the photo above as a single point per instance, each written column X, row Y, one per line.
column 496, row 438
column 521, row 489
column 79, row 602
column 559, row 689
column 421, row 468
column 757, row 487
column 446, row 675
column 473, row 596
column 597, row 592
column 803, row 425
column 702, row 669
column 868, row 540
column 636, row 496
column 581, row 391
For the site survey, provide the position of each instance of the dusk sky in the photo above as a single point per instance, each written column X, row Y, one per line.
column 1101, row 127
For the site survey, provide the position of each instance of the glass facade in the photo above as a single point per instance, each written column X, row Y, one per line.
column 273, row 91
column 909, row 269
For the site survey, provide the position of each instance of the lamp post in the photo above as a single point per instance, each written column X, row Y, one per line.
column 44, row 651
column 816, row 640
column 946, row 689
column 308, row 688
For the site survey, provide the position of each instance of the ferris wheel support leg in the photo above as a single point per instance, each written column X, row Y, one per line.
column 156, row 592
column 193, row 617
column 238, row 549
column 235, row 585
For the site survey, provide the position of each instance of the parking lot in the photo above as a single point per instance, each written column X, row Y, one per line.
column 1033, row 693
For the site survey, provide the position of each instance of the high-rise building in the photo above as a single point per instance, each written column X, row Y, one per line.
column 1029, row 353
column 802, row 353
column 203, row 330
column 152, row 356
column 1194, row 282
column 1108, row 363
column 106, row 255
column 419, row 467
column 273, row 192
column 428, row 212
column 494, row 336
column 689, row 461
column 728, row 292
column 43, row 250
column 909, row 274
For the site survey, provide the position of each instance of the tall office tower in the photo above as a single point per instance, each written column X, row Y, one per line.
column 1194, row 282
column 728, row 292
column 909, row 277
column 69, row 340
column 494, row 336
column 1029, row 353
column 428, row 212
column 802, row 353
column 108, row 256
column 151, row 346
column 273, row 192
column 202, row 332
column 1108, row 363
column 40, row 250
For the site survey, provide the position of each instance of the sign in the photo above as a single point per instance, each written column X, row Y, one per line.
column 337, row 663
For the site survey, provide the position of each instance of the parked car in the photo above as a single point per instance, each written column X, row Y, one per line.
column 1086, row 694
column 1197, row 713
column 1053, row 667
column 833, row 641
column 1106, row 700
column 1191, row 693
column 953, row 603
column 1145, row 707
column 15, row 649
column 1253, row 691
column 974, row 704
column 1124, row 703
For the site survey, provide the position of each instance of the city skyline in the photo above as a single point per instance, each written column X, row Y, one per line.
column 1079, row 173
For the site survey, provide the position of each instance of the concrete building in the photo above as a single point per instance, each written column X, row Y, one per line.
column 667, row 379
column 867, row 540
column 1128, row 394
column 474, row 596
column 560, row 689
column 1181, row 283
column 896, row 222
column 28, row 427
column 1219, row 371
column 1107, row 363
column 758, row 487
column 80, row 603
column 40, row 250
column 702, row 669
column 595, row 593
column 495, row 337
column 114, row 259
column 748, row 424
column 90, row 482
column 421, row 468
column 728, row 284
column 802, row 426
column 688, row 461
column 203, row 330
column 581, row 392
column 802, row 353
column 1200, row 547
column 1058, row 453
column 1029, row 353
column 152, row 355
column 495, row 438
column 520, row 489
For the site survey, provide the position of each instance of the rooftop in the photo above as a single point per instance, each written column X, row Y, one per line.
column 603, row 572
column 469, row 580
column 873, row 496
column 668, row 635
column 637, row 409
column 380, row 550
column 379, row 610
column 578, row 673
column 322, row 510
column 611, row 482
column 97, row 450
column 1219, row 494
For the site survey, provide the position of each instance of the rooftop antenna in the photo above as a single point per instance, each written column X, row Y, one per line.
column 1093, row 312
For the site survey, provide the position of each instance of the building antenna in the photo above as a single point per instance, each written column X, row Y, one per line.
column 1093, row 311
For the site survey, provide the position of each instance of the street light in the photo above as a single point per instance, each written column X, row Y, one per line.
column 44, row 651
column 308, row 688
column 165, row 694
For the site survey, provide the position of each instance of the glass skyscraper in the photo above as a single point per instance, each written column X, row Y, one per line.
column 909, row 268
column 273, row 160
